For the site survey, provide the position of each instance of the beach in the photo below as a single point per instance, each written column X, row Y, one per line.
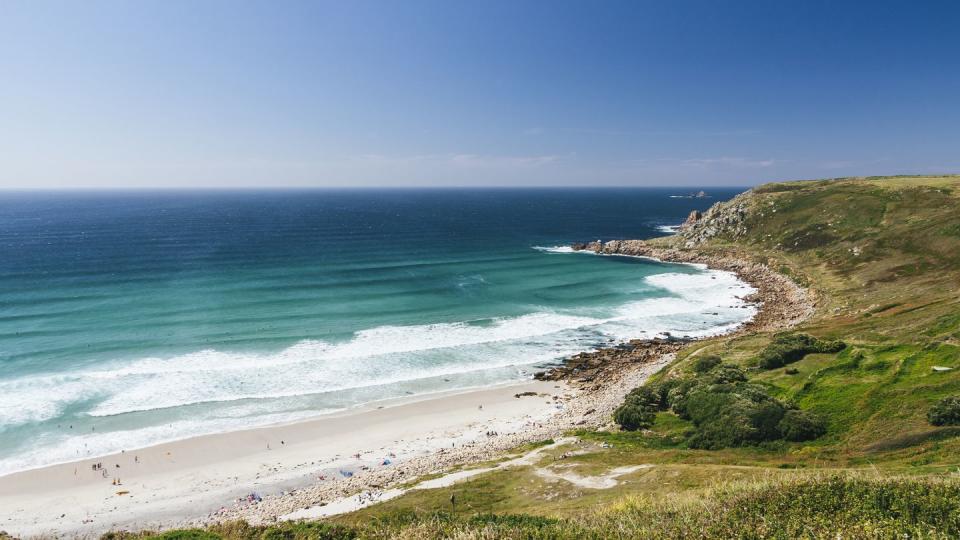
column 194, row 479
column 261, row 475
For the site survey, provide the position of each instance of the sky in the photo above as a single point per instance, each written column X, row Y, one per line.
column 139, row 94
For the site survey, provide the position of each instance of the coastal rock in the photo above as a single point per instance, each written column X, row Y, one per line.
column 692, row 220
column 727, row 219
column 603, row 364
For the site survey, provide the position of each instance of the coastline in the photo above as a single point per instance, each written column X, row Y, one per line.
column 596, row 381
column 204, row 479
column 784, row 303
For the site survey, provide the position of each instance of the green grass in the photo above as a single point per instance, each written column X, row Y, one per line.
column 781, row 506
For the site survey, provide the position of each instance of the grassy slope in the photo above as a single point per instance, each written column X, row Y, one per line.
column 883, row 256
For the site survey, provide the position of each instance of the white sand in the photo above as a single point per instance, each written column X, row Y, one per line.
column 188, row 480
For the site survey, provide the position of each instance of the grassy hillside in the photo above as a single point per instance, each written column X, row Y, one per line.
column 882, row 256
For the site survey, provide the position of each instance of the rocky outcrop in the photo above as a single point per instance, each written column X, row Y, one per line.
column 692, row 220
column 598, row 367
column 722, row 219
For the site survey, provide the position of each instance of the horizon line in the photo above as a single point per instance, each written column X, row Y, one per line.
column 355, row 188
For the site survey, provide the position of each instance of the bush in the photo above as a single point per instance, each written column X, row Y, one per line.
column 733, row 414
column 788, row 349
column 662, row 389
column 946, row 412
column 797, row 425
column 726, row 374
column 638, row 410
column 677, row 397
column 724, row 407
column 706, row 363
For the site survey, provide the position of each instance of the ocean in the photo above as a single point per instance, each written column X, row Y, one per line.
column 132, row 318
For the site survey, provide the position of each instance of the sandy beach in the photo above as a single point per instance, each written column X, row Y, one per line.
column 201, row 478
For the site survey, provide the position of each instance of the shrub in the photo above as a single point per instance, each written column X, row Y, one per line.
column 724, row 407
column 632, row 416
column 677, row 397
column 638, row 410
column 726, row 374
column 733, row 415
column 788, row 349
column 706, row 363
column 662, row 389
column 733, row 431
column 648, row 396
column 945, row 412
column 791, row 371
column 797, row 425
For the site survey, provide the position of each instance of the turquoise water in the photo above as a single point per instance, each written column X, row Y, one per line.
column 128, row 319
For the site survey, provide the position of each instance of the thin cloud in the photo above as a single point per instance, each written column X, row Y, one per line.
column 727, row 162
column 846, row 164
column 739, row 162
column 464, row 160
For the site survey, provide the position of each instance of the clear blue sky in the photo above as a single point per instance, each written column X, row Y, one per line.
column 356, row 93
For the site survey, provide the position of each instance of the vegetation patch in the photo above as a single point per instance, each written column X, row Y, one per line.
column 945, row 412
column 805, row 506
column 789, row 348
column 704, row 364
column 725, row 409
column 240, row 530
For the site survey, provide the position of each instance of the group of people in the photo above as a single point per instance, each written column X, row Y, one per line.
column 98, row 466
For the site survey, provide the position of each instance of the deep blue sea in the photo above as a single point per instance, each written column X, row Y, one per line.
column 132, row 318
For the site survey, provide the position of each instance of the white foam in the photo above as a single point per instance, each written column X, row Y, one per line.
column 555, row 249
column 373, row 357
column 693, row 304
column 669, row 229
